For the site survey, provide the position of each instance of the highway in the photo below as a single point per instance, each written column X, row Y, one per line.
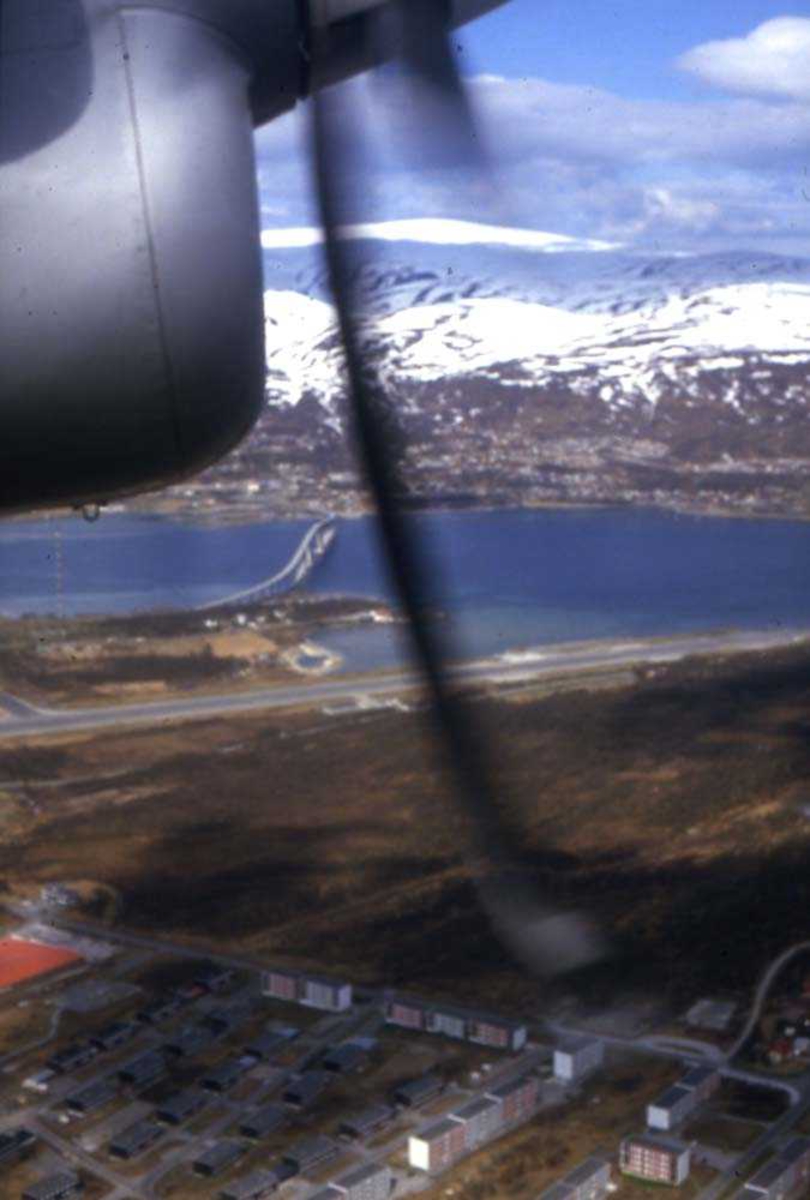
column 25, row 720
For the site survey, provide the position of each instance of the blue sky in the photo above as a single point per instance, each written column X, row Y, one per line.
column 623, row 46
column 665, row 125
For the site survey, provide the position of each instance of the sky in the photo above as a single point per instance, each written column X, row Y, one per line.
column 676, row 126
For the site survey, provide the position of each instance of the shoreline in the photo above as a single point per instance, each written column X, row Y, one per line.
column 30, row 722
column 249, row 516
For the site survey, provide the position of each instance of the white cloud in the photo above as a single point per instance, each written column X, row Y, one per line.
column 570, row 160
column 773, row 60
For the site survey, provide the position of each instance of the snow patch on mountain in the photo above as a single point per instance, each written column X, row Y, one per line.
column 437, row 232
column 526, row 344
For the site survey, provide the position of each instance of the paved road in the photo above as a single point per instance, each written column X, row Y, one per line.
column 26, row 721
column 761, row 994
column 73, row 1153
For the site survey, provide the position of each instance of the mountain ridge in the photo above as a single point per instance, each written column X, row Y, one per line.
column 521, row 376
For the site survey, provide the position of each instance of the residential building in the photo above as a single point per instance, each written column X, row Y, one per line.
column 310, row 1152
column 313, row 991
column 281, row 985
column 703, row 1081
column 115, row 1035
column 437, row 1145
column 557, row 1191
column 409, row 1014
column 716, row 1015
column 72, row 1058
column 485, row 1029
column 265, row 1044
column 263, row 1121
column 518, row 1098
column 182, row 1106
column 93, row 1096
column 482, row 1119
column 190, row 1040
column 226, row 1018
column 16, row 1144
column 577, row 1057
column 58, row 1186
column 305, row 1090
column 258, row 1184
column 366, row 1121
column 498, row 1032
column 664, row 1160
column 671, row 1107
column 136, row 1139
column 452, row 1022
column 329, row 994
column 779, row 1178
column 590, row 1180
column 218, row 1157
column 371, row 1181
column 419, row 1091
column 223, row 1077
column 143, row 1070
column 344, row 1059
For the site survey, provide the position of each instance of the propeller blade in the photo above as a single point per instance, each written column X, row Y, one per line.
column 546, row 939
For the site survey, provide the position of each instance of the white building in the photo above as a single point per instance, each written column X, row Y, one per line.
column 671, row 1107
column 577, row 1057
column 437, row 1145
column 330, row 994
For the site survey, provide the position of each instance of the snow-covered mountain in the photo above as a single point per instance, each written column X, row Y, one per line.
column 508, row 338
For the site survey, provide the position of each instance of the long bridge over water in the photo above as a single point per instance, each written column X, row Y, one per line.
column 311, row 549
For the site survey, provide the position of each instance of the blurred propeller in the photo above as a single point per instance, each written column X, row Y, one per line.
column 547, row 940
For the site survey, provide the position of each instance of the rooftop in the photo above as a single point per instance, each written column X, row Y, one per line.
column 437, row 1129
column 654, row 1142
column 672, row 1096
column 697, row 1075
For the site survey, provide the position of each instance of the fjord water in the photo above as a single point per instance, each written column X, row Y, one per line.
column 509, row 579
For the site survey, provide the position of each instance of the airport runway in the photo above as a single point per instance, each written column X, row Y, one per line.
column 23, row 720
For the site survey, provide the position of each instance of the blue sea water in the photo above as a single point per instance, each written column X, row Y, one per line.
column 505, row 579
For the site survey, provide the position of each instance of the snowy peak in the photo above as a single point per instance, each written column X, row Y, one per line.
column 437, row 232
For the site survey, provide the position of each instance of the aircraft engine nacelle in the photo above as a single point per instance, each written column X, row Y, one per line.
column 131, row 323
column 131, row 329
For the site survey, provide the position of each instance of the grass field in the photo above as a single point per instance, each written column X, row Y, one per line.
column 672, row 808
